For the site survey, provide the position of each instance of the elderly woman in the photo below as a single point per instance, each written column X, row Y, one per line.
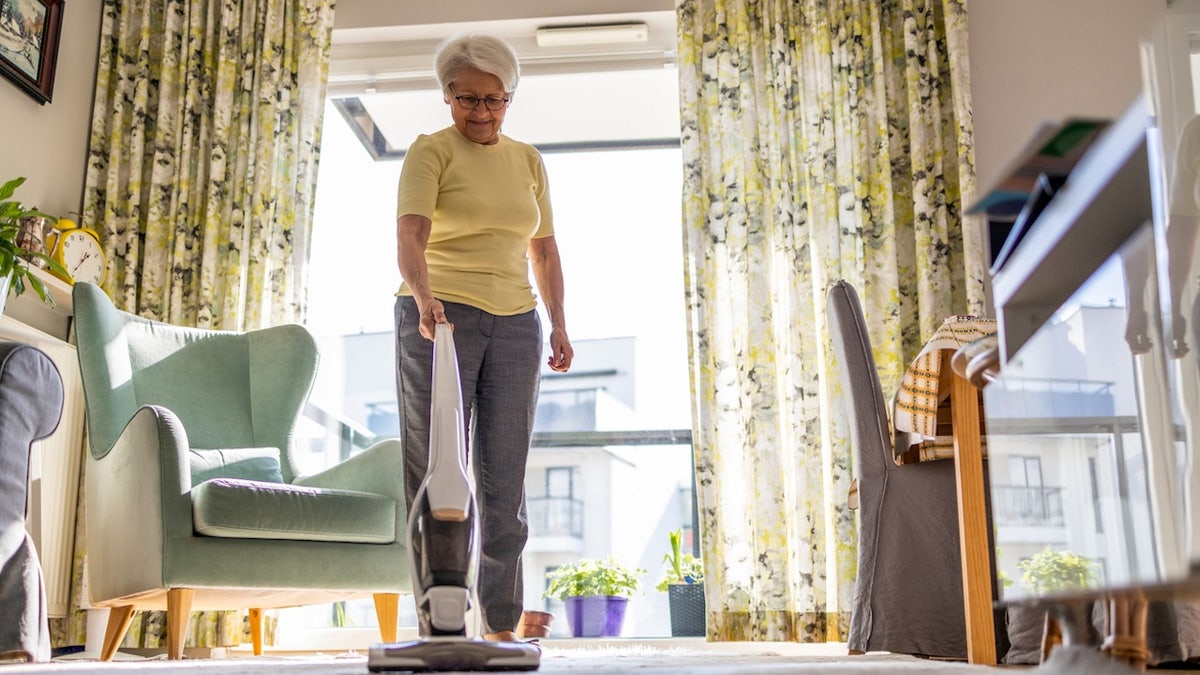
column 473, row 214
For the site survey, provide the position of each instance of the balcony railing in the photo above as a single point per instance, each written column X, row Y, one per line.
column 1029, row 397
column 1027, row 505
column 548, row 516
column 555, row 517
column 600, row 439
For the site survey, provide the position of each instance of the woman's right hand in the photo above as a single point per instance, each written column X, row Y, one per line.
column 432, row 313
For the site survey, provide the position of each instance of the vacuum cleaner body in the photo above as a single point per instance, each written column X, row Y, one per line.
column 443, row 545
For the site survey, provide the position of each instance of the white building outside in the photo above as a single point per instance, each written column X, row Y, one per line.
column 584, row 501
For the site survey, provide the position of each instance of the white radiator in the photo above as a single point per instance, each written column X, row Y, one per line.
column 54, row 469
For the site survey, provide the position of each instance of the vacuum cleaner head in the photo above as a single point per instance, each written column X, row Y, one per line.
column 453, row 654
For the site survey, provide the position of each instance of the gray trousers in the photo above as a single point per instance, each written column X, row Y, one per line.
column 499, row 361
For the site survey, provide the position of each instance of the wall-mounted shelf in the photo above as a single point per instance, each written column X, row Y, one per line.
column 29, row 309
column 1105, row 199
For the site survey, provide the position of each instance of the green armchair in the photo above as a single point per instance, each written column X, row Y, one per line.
column 193, row 497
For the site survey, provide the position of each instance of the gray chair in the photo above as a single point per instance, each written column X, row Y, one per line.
column 908, row 596
column 31, row 402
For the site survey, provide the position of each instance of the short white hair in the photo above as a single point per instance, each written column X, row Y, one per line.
column 481, row 51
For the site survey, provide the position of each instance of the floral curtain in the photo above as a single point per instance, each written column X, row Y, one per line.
column 201, row 177
column 203, row 158
column 822, row 139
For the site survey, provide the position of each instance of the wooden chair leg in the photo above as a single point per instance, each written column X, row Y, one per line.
column 256, row 630
column 1125, row 630
column 1116, row 616
column 387, row 611
column 179, row 611
column 119, row 619
column 1051, row 635
column 1138, row 617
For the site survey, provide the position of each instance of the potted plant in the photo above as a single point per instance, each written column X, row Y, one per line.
column 1043, row 573
column 594, row 593
column 1057, row 571
column 683, row 581
column 14, row 268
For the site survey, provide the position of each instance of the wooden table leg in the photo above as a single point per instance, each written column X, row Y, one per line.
column 972, row 524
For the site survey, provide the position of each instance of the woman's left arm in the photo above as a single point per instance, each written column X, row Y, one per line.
column 547, row 271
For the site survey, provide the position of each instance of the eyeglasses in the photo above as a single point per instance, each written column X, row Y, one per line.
column 492, row 103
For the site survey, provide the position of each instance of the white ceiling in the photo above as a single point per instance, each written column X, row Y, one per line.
column 400, row 57
column 586, row 94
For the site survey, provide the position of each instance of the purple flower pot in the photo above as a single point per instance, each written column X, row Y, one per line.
column 595, row 615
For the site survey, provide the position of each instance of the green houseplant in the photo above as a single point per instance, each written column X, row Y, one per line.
column 1057, row 571
column 679, row 567
column 683, row 581
column 594, row 592
column 14, row 270
column 1042, row 573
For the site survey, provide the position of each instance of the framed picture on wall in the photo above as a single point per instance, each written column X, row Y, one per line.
column 29, row 31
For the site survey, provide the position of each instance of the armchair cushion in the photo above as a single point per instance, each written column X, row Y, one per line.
column 248, row 509
column 260, row 464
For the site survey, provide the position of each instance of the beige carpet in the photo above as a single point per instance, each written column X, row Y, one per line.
column 600, row 659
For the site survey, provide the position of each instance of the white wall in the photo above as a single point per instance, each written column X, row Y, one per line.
column 48, row 143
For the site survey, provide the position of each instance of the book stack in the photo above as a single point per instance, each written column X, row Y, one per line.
column 1031, row 181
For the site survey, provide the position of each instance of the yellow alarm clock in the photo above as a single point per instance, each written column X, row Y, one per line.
column 78, row 250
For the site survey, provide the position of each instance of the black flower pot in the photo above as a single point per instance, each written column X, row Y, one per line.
column 687, row 609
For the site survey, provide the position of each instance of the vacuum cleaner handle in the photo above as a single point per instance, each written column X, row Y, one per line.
column 447, row 488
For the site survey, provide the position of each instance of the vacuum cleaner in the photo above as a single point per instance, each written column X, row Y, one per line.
column 443, row 540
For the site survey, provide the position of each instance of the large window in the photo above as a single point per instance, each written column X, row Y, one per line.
column 615, row 181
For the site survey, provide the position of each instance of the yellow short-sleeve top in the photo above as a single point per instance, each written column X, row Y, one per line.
column 485, row 202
